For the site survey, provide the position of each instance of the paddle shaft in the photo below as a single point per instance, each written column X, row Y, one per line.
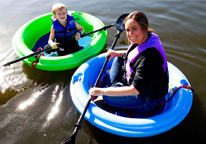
column 98, row 78
column 81, row 118
column 47, row 47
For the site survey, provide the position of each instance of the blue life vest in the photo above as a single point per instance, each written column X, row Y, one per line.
column 153, row 41
column 61, row 33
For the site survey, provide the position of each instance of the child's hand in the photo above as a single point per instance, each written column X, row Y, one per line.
column 77, row 36
column 53, row 45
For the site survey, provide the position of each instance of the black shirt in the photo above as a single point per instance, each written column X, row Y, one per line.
column 150, row 78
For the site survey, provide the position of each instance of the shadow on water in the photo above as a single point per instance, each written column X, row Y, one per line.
column 49, row 77
column 12, row 80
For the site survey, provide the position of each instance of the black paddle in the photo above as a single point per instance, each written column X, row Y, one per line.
column 120, row 28
column 47, row 47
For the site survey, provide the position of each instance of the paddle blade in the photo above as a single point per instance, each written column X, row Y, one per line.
column 120, row 22
column 70, row 140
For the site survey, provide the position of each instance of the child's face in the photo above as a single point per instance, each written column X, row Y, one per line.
column 61, row 15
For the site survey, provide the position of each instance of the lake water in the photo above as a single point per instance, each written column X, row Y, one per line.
column 35, row 105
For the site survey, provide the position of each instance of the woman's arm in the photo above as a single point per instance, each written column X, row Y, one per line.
column 114, row 91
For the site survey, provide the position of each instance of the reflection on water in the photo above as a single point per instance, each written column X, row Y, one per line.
column 36, row 110
column 55, row 108
column 25, row 104
column 35, row 105
column 54, row 92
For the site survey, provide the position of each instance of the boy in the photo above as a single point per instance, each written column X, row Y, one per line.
column 64, row 27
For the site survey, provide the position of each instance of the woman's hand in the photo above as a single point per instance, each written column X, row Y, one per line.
column 113, row 54
column 95, row 91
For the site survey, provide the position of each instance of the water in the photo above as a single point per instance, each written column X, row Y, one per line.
column 35, row 105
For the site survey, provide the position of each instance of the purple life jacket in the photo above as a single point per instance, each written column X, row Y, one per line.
column 153, row 41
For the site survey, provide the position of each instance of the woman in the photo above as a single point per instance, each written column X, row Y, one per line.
column 142, row 83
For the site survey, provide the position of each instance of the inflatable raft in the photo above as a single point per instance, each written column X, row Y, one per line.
column 35, row 34
column 127, row 123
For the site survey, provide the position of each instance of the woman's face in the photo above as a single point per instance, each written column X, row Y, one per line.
column 134, row 32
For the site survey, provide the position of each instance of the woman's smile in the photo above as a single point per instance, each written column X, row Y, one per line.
column 134, row 32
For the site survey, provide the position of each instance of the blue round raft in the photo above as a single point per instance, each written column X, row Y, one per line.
column 124, row 123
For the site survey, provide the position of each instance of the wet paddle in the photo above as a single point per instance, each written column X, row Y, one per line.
column 120, row 28
column 47, row 47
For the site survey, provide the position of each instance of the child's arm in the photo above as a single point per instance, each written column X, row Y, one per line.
column 78, row 34
column 51, row 38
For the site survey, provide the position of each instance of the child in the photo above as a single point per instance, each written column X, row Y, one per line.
column 64, row 27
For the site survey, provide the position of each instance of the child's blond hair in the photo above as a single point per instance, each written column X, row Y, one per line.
column 58, row 6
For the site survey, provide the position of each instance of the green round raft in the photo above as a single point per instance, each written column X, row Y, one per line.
column 27, row 36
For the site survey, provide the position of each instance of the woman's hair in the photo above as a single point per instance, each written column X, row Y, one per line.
column 58, row 6
column 141, row 19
